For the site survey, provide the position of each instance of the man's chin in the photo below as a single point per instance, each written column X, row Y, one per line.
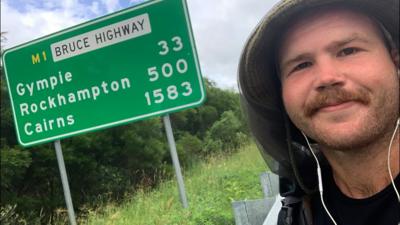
column 341, row 143
column 344, row 135
column 346, row 138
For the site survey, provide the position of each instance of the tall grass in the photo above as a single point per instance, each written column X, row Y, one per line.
column 211, row 186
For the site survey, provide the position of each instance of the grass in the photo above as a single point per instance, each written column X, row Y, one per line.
column 211, row 186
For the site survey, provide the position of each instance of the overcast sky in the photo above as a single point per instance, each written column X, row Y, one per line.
column 220, row 27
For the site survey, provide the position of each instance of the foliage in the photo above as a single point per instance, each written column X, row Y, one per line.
column 189, row 149
column 14, row 162
column 225, row 134
column 8, row 216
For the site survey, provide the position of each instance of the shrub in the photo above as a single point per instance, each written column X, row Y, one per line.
column 9, row 216
column 225, row 135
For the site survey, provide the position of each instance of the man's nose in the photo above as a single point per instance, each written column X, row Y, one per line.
column 328, row 75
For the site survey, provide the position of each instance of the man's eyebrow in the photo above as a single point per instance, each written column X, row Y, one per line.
column 340, row 43
column 295, row 59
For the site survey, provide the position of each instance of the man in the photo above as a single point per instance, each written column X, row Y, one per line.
column 326, row 72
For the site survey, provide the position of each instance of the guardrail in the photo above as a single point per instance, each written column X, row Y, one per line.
column 254, row 212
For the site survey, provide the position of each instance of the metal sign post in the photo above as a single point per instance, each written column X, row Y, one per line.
column 64, row 180
column 175, row 160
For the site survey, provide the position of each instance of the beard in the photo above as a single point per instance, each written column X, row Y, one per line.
column 362, row 130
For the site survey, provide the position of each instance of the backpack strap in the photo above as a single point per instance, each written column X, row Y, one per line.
column 295, row 211
column 307, row 213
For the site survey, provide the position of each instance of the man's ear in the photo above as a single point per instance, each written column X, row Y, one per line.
column 395, row 57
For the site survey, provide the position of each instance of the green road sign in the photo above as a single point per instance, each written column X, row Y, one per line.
column 130, row 65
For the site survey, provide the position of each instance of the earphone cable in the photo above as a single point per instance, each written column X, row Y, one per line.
column 320, row 184
column 388, row 159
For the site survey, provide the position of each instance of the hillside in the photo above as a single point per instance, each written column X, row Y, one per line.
column 211, row 187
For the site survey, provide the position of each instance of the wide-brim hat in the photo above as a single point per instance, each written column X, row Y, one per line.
column 260, row 87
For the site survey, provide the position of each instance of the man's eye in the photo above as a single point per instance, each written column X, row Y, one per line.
column 348, row 51
column 302, row 66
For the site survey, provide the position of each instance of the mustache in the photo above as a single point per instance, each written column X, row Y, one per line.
column 333, row 96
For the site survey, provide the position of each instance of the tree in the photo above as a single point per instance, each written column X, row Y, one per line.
column 225, row 134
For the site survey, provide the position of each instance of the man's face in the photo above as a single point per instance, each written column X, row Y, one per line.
column 339, row 82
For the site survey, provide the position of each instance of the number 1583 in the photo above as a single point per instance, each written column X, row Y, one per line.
column 172, row 92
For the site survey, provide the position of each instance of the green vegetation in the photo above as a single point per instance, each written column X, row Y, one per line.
column 211, row 187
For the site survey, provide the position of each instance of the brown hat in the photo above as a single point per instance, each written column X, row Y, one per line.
column 260, row 87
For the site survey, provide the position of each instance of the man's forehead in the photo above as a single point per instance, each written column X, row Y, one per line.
column 324, row 19
column 320, row 17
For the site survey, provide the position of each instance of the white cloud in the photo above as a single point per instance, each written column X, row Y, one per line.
column 221, row 29
column 95, row 8
column 111, row 5
column 69, row 4
column 134, row 2
column 35, row 22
